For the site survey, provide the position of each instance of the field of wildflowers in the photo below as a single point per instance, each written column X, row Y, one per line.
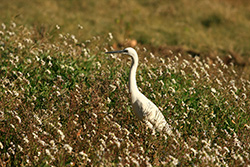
column 65, row 103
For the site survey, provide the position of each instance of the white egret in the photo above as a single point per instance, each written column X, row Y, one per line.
column 144, row 109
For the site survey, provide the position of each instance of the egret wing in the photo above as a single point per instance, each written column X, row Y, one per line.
column 155, row 117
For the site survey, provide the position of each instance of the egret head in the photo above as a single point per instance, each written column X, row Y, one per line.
column 128, row 51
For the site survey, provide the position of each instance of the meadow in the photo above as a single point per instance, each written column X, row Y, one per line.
column 208, row 27
column 63, row 102
column 66, row 103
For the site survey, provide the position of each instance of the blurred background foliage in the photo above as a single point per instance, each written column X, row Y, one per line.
column 211, row 27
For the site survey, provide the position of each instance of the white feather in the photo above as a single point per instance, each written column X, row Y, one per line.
column 144, row 109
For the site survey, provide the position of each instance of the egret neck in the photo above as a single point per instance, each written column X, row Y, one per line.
column 132, row 78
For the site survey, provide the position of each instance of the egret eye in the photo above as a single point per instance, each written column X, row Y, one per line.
column 126, row 51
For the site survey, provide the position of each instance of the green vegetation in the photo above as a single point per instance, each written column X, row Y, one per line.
column 63, row 102
column 206, row 26
column 66, row 103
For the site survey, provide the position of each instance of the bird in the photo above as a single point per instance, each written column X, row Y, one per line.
column 144, row 109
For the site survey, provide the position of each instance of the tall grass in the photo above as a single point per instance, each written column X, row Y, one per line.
column 66, row 103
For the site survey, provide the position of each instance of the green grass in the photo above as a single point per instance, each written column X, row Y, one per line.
column 220, row 26
column 65, row 103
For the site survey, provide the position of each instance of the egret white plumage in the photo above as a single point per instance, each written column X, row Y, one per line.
column 143, row 108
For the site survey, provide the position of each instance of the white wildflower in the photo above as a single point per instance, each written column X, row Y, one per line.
column 57, row 27
column 80, row 26
column 108, row 100
column 74, row 38
column 58, row 93
column 42, row 62
column 13, row 126
column 26, row 139
column 11, row 151
column 16, row 93
column 48, row 71
column 38, row 119
column 194, row 151
column 20, row 148
column 152, row 55
column 50, row 64
column 175, row 161
column 59, row 124
column 19, row 119
column 42, row 142
column 171, row 89
column 213, row 90
column 1, row 145
column 113, row 87
column 196, row 74
column 162, row 60
column 3, row 26
column 110, row 35
column 161, row 82
column 183, row 73
column 118, row 144
column 13, row 24
column 135, row 161
column 247, row 126
column 61, row 134
column 98, row 64
column 49, row 154
column 68, row 148
column 84, row 156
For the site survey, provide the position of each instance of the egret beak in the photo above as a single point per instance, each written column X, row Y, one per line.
column 119, row 51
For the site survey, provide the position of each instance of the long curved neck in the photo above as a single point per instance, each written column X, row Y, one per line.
column 132, row 77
